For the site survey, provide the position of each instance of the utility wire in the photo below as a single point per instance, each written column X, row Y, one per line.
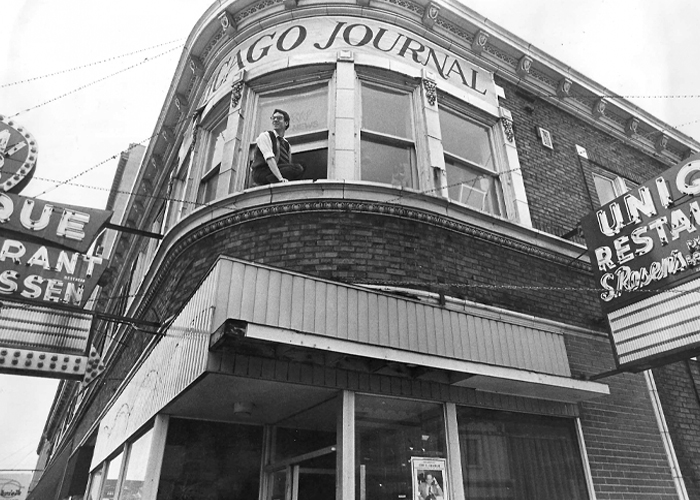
column 146, row 60
column 86, row 65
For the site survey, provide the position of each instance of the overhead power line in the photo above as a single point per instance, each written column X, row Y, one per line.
column 95, row 63
column 82, row 87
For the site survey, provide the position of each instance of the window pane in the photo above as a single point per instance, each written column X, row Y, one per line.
column 387, row 164
column 113, row 469
column 473, row 188
column 466, row 139
column 210, row 460
column 307, row 108
column 386, row 112
column 207, row 188
column 605, row 188
column 217, row 145
column 315, row 163
column 388, row 433
column 135, row 474
column 528, row 457
column 95, row 483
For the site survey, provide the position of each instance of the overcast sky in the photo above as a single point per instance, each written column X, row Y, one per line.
column 641, row 48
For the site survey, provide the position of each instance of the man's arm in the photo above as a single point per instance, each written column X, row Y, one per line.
column 264, row 143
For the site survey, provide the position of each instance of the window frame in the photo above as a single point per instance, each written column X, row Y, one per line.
column 462, row 110
column 396, row 83
column 619, row 185
column 279, row 83
column 201, row 169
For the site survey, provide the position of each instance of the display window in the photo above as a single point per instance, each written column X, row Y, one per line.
column 390, row 433
column 529, row 457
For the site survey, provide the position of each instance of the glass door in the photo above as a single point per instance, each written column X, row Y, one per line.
column 310, row 476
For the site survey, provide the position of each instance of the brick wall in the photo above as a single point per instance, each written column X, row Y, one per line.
column 622, row 438
column 558, row 181
column 678, row 384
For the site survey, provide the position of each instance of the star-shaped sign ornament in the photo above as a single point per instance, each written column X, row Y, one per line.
column 18, row 155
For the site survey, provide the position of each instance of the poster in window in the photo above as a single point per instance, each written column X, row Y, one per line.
column 429, row 477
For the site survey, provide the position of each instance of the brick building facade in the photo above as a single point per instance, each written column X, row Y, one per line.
column 417, row 305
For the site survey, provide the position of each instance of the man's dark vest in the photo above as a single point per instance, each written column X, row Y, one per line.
column 258, row 160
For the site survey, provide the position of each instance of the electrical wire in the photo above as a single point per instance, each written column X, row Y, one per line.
column 82, row 87
column 87, row 65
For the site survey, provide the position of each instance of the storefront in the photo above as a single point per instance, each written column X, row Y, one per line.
column 249, row 395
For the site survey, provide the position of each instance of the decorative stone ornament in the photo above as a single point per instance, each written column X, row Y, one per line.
column 432, row 11
column 166, row 133
column 430, row 91
column 18, row 156
column 196, row 66
column 480, row 40
column 236, row 93
column 508, row 128
column 598, row 108
column 524, row 66
column 290, row 4
column 661, row 143
column 227, row 23
column 180, row 103
column 564, row 87
column 363, row 3
column 631, row 126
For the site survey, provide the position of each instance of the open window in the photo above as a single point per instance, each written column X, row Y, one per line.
column 470, row 164
column 304, row 94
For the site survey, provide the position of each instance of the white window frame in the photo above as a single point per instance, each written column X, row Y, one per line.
column 619, row 186
column 399, row 84
column 292, row 79
column 448, row 104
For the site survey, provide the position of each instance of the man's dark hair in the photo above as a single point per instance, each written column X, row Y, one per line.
column 286, row 117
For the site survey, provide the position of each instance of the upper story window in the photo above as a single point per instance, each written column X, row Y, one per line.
column 355, row 122
column 470, row 165
column 387, row 136
column 212, row 138
column 306, row 99
column 610, row 187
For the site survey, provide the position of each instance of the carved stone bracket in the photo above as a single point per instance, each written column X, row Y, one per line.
column 196, row 66
column 524, row 65
column 430, row 91
column 598, row 108
column 508, row 128
column 631, row 126
column 166, row 133
column 661, row 142
column 480, row 40
column 432, row 11
column 564, row 87
column 181, row 103
column 227, row 23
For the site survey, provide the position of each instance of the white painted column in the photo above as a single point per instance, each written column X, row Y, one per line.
column 454, row 454
column 433, row 178
column 343, row 142
column 155, row 457
column 512, row 178
column 345, row 456
column 234, row 159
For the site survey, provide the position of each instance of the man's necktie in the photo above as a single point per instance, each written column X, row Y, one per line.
column 284, row 151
